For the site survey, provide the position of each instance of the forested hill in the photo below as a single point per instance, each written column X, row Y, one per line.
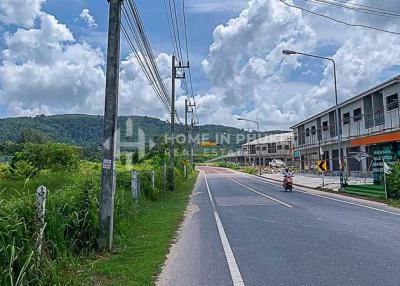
column 86, row 130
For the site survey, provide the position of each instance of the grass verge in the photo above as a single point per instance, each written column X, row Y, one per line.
column 142, row 241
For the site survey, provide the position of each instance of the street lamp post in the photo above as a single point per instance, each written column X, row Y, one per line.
column 339, row 136
column 258, row 139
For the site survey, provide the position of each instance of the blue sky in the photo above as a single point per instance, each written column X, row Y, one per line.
column 200, row 27
column 52, row 61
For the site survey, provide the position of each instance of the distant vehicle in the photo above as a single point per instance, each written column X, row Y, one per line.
column 288, row 183
column 277, row 163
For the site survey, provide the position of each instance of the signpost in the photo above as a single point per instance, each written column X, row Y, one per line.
column 322, row 167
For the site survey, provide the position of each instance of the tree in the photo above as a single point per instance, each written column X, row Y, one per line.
column 48, row 156
column 33, row 136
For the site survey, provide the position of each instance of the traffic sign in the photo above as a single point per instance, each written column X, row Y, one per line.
column 322, row 166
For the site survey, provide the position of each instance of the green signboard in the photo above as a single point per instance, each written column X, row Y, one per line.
column 379, row 153
column 296, row 154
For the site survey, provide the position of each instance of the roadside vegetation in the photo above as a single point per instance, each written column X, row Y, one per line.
column 69, row 251
column 236, row 166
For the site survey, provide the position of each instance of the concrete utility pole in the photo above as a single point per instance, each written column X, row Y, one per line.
column 192, row 128
column 172, row 146
column 108, row 175
column 175, row 76
column 188, row 109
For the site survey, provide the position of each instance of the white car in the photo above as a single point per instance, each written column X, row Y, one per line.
column 277, row 163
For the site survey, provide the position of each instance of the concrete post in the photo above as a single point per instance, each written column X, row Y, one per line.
column 110, row 127
column 41, row 196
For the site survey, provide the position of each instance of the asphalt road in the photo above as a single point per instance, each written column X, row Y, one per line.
column 243, row 230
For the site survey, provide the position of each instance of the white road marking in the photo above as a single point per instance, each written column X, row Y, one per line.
column 230, row 258
column 257, row 192
column 266, row 181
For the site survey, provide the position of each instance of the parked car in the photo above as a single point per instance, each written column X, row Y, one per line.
column 277, row 163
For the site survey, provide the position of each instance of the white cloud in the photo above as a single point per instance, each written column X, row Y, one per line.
column 245, row 63
column 251, row 78
column 44, row 69
column 20, row 12
column 88, row 18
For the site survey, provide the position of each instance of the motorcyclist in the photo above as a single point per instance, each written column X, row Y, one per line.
column 286, row 175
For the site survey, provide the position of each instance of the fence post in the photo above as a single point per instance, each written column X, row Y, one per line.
column 135, row 185
column 165, row 177
column 139, row 189
column 185, row 171
column 41, row 196
column 153, row 179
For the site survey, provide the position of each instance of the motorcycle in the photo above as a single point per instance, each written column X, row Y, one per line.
column 288, row 183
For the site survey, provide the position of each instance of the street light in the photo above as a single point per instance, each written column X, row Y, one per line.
column 339, row 138
column 258, row 140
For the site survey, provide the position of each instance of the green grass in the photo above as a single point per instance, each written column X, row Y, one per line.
column 142, row 241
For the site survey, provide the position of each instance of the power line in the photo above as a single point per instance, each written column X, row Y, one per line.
column 137, row 39
column 188, row 59
column 340, row 21
column 370, row 11
column 364, row 6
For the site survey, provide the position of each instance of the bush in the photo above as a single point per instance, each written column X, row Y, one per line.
column 54, row 156
column 231, row 165
column 251, row 170
column 146, row 187
column 4, row 171
column 24, row 169
column 393, row 181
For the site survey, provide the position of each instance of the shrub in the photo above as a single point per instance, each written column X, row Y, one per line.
column 231, row 165
column 393, row 181
column 53, row 156
column 24, row 169
column 147, row 188
column 251, row 170
column 4, row 171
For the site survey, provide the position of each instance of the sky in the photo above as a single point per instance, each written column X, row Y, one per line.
column 53, row 53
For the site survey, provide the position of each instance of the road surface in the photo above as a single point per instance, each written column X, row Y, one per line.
column 244, row 230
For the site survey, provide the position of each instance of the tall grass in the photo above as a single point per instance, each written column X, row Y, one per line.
column 71, row 226
column 71, row 221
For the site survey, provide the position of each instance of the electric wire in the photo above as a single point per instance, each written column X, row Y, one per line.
column 340, row 21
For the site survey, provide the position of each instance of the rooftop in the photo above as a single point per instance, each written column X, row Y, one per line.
column 274, row 138
column 374, row 89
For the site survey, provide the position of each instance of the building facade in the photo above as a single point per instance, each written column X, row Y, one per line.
column 265, row 149
column 369, row 127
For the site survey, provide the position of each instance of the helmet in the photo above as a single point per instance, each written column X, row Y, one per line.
column 287, row 169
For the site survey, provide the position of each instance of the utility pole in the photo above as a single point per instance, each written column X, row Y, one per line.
column 192, row 128
column 172, row 146
column 188, row 109
column 108, row 175
column 173, row 113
